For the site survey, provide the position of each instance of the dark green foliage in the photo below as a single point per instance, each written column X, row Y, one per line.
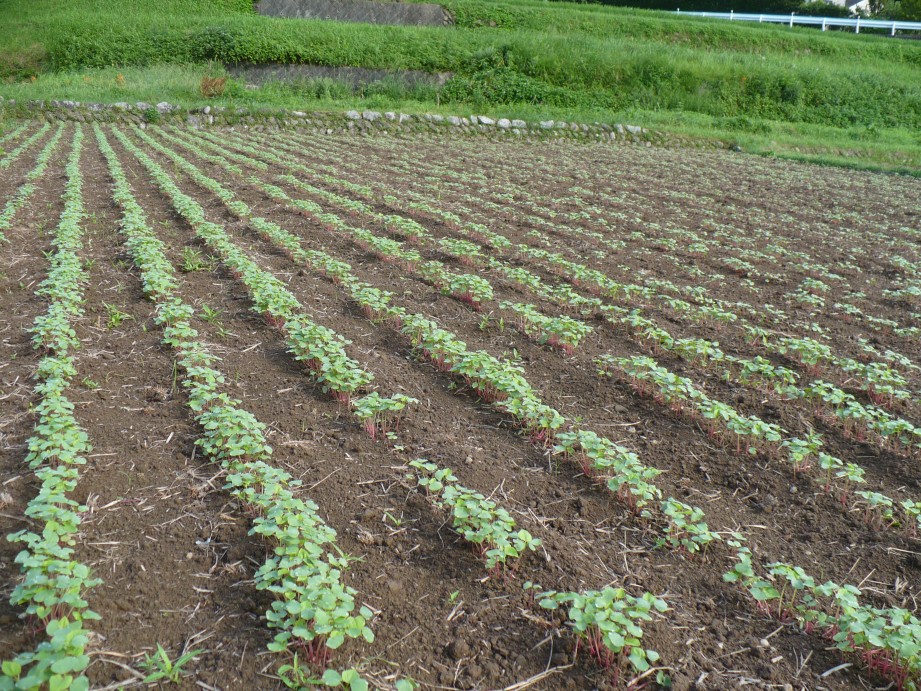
column 818, row 9
column 580, row 57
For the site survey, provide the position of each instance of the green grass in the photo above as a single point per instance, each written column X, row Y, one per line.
column 791, row 91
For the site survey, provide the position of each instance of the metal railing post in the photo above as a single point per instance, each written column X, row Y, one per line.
column 793, row 19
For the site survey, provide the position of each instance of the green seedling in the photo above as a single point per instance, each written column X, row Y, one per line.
column 161, row 667
column 115, row 316
column 210, row 315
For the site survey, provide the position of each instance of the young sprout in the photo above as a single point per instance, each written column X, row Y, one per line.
column 381, row 415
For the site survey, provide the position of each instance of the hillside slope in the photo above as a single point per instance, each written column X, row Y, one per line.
column 571, row 60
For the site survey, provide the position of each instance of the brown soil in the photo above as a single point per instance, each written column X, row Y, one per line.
column 172, row 547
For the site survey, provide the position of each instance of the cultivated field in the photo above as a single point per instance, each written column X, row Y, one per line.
column 454, row 413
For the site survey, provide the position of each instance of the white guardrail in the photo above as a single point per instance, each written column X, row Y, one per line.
column 857, row 23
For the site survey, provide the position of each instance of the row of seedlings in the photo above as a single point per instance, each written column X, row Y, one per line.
column 468, row 288
column 751, row 434
column 887, row 641
column 25, row 191
column 54, row 582
column 313, row 610
column 494, row 380
column 686, row 528
column 319, row 348
column 560, row 332
column 13, row 134
column 880, row 381
column 888, row 430
column 14, row 155
column 444, row 353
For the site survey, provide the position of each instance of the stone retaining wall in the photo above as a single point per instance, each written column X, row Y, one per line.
column 367, row 122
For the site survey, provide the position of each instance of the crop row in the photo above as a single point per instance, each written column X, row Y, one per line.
column 805, row 455
column 476, row 518
column 22, row 194
column 409, row 199
column 312, row 609
column 831, row 403
column 13, row 155
column 886, row 640
column 562, row 331
column 319, row 348
column 54, row 583
column 292, row 247
column 624, row 209
column 881, row 380
column 14, row 133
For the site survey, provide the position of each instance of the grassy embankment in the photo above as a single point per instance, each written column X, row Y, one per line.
column 834, row 96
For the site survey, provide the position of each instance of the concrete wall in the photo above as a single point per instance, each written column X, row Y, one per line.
column 366, row 11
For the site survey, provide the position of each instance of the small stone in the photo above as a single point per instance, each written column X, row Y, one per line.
column 546, row 124
column 560, row 659
column 353, row 115
column 457, row 649
column 504, row 123
column 371, row 115
column 454, row 120
column 164, row 107
column 521, row 124
column 405, row 118
column 486, row 120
